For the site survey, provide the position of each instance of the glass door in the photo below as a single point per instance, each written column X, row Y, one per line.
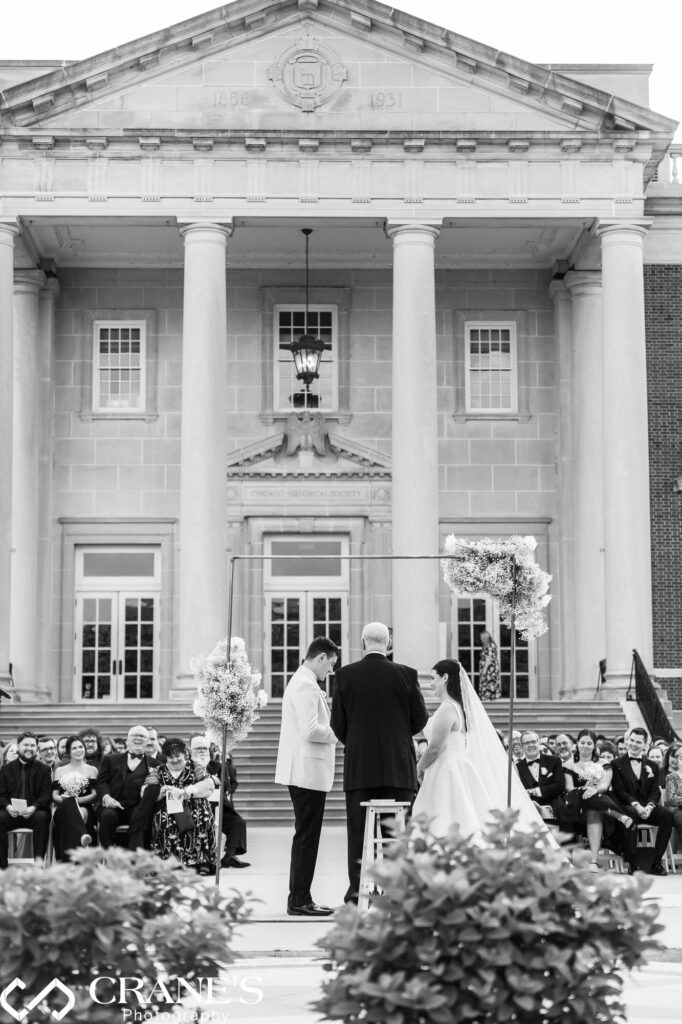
column 293, row 620
column 116, row 646
column 475, row 615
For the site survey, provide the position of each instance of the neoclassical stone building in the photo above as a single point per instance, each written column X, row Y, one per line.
column 481, row 231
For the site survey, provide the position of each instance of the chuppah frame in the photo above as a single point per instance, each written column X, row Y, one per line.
column 351, row 558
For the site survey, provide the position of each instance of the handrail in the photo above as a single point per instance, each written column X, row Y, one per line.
column 668, row 171
column 653, row 712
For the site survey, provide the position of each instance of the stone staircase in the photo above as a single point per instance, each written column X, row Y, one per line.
column 258, row 798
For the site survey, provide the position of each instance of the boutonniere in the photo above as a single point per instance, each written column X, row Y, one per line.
column 649, row 772
column 543, row 771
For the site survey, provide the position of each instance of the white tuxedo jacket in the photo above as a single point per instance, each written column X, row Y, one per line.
column 305, row 756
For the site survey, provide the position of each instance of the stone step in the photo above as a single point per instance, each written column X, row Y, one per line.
column 258, row 799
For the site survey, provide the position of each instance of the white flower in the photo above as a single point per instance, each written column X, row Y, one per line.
column 543, row 771
column 228, row 691
column 73, row 783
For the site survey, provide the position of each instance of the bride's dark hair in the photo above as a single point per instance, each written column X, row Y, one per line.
column 450, row 668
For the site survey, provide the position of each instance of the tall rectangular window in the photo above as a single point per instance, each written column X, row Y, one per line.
column 119, row 366
column 289, row 393
column 490, row 367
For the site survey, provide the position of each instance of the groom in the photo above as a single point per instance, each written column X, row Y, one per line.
column 377, row 708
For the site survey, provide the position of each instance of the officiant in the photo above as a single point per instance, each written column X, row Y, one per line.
column 25, row 787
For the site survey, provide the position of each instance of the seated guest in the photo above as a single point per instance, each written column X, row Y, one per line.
column 672, row 798
column 94, row 746
column 120, row 800
column 62, row 756
column 607, row 752
column 636, row 787
column 9, row 754
column 153, row 745
column 28, row 780
column 565, row 745
column 180, row 779
column 655, row 754
column 107, row 746
column 621, row 745
column 47, row 753
column 74, row 793
column 541, row 774
column 234, row 826
column 551, row 743
column 587, row 799
column 119, row 745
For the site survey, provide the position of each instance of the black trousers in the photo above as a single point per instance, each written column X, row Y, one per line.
column 355, row 825
column 39, row 823
column 308, row 814
column 138, row 818
column 661, row 817
column 234, row 830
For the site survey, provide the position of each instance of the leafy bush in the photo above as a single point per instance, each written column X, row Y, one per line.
column 506, row 930
column 131, row 916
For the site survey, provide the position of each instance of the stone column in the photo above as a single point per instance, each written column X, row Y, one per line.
column 415, row 446
column 587, row 417
column 25, row 482
column 626, row 452
column 562, row 606
column 48, row 661
column 8, row 232
column 203, row 453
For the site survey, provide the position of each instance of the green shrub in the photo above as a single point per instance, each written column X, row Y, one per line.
column 503, row 931
column 131, row 916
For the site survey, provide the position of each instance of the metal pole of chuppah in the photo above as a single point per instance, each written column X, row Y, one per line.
column 348, row 558
column 223, row 761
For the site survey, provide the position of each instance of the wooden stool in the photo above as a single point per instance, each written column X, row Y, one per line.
column 19, row 851
column 374, row 841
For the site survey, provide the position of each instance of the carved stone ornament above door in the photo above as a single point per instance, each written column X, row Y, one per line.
column 307, row 74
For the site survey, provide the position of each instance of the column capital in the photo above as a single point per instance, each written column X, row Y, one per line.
column 606, row 228
column 8, row 232
column 408, row 231
column 583, row 281
column 195, row 229
column 28, row 282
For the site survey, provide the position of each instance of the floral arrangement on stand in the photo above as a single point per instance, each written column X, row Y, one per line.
column 503, row 569
column 229, row 692
column 73, row 784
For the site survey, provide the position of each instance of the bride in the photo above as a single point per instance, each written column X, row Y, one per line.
column 464, row 769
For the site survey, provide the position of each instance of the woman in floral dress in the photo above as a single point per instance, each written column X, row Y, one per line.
column 489, row 669
column 180, row 779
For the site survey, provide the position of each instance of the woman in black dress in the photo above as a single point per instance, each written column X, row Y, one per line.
column 587, row 798
column 73, row 793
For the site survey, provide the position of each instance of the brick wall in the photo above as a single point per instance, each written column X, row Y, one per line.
column 663, row 302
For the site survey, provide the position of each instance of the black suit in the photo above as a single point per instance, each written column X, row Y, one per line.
column 377, row 708
column 115, row 779
column 37, row 792
column 645, row 790
column 550, row 781
column 234, row 826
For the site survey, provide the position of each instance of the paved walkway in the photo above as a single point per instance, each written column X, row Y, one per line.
column 280, row 972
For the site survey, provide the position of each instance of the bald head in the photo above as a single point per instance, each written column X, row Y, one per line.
column 375, row 637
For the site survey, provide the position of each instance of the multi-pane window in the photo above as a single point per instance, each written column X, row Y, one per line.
column 490, row 367
column 289, row 393
column 119, row 366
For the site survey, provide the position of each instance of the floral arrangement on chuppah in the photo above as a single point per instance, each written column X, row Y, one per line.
column 503, row 569
column 229, row 692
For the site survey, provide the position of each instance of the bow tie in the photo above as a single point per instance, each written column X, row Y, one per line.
column 135, row 757
column 638, row 760
column 536, row 760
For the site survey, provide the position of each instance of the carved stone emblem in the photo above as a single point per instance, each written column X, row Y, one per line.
column 307, row 74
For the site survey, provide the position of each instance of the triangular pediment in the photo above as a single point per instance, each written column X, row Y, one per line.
column 313, row 65
column 307, row 449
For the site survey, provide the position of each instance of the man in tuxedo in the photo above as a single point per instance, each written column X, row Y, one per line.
column 234, row 826
column 27, row 779
column 377, row 708
column 541, row 774
column 635, row 786
column 119, row 797
column 305, row 764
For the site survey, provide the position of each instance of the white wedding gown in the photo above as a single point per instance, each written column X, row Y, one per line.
column 458, row 788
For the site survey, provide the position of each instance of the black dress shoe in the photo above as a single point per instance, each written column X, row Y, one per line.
column 309, row 910
column 657, row 867
column 234, row 862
